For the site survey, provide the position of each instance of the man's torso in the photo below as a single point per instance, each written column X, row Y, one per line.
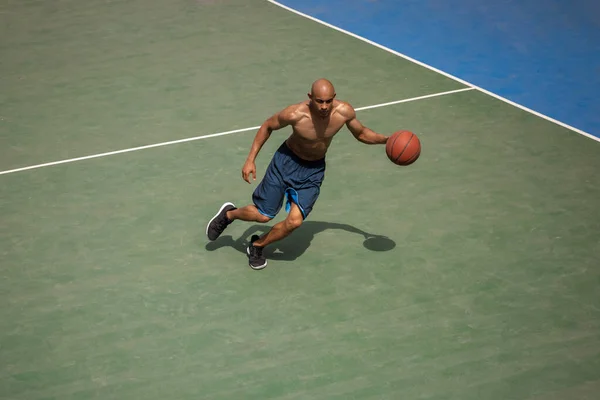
column 312, row 135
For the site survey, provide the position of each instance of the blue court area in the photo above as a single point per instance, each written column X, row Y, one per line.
column 541, row 54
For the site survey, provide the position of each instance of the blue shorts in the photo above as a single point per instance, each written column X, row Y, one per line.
column 291, row 178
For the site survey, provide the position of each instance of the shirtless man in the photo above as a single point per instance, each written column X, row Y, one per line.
column 297, row 168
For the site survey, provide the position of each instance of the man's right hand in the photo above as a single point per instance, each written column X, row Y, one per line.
column 249, row 169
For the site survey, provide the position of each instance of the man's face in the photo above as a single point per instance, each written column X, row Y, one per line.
column 322, row 103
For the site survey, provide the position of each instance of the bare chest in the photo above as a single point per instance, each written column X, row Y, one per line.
column 318, row 130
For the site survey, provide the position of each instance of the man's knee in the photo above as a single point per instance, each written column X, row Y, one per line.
column 262, row 218
column 293, row 221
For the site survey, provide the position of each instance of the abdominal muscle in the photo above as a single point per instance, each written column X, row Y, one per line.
column 308, row 149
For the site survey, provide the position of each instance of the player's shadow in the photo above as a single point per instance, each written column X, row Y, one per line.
column 293, row 246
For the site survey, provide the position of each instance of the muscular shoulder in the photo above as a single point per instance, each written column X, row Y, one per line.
column 290, row 115
column 346, row 111
column 293, row 113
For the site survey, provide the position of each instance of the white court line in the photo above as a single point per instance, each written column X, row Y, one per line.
column 437, row 70
column 110, row 153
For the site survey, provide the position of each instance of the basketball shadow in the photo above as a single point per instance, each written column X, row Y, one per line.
column 299, row 241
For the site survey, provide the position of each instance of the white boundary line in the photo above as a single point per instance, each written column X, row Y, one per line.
column 110, row 153
column 437, row 70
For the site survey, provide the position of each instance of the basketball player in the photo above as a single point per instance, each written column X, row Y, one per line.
column 297, row 168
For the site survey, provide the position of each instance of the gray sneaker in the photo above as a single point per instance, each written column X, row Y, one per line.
column 256, row 260
column 219, row 222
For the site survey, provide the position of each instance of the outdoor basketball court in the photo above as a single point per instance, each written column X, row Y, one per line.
column 471, row 274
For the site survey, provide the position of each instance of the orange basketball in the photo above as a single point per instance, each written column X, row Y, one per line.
column 403, row 148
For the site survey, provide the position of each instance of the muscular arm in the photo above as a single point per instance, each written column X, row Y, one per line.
column 361, row 132
column 280, row 120
column 283, row 118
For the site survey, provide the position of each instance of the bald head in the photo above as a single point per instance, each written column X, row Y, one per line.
column 321, row 95
column 322, row 88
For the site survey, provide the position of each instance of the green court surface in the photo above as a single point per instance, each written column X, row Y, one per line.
column 472, row 274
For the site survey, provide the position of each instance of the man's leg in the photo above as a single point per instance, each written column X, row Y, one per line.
column 249, row 213
column 256, row 259
column 282, row 229
column 268, row 197
column 229, row 213
column 301, row 203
